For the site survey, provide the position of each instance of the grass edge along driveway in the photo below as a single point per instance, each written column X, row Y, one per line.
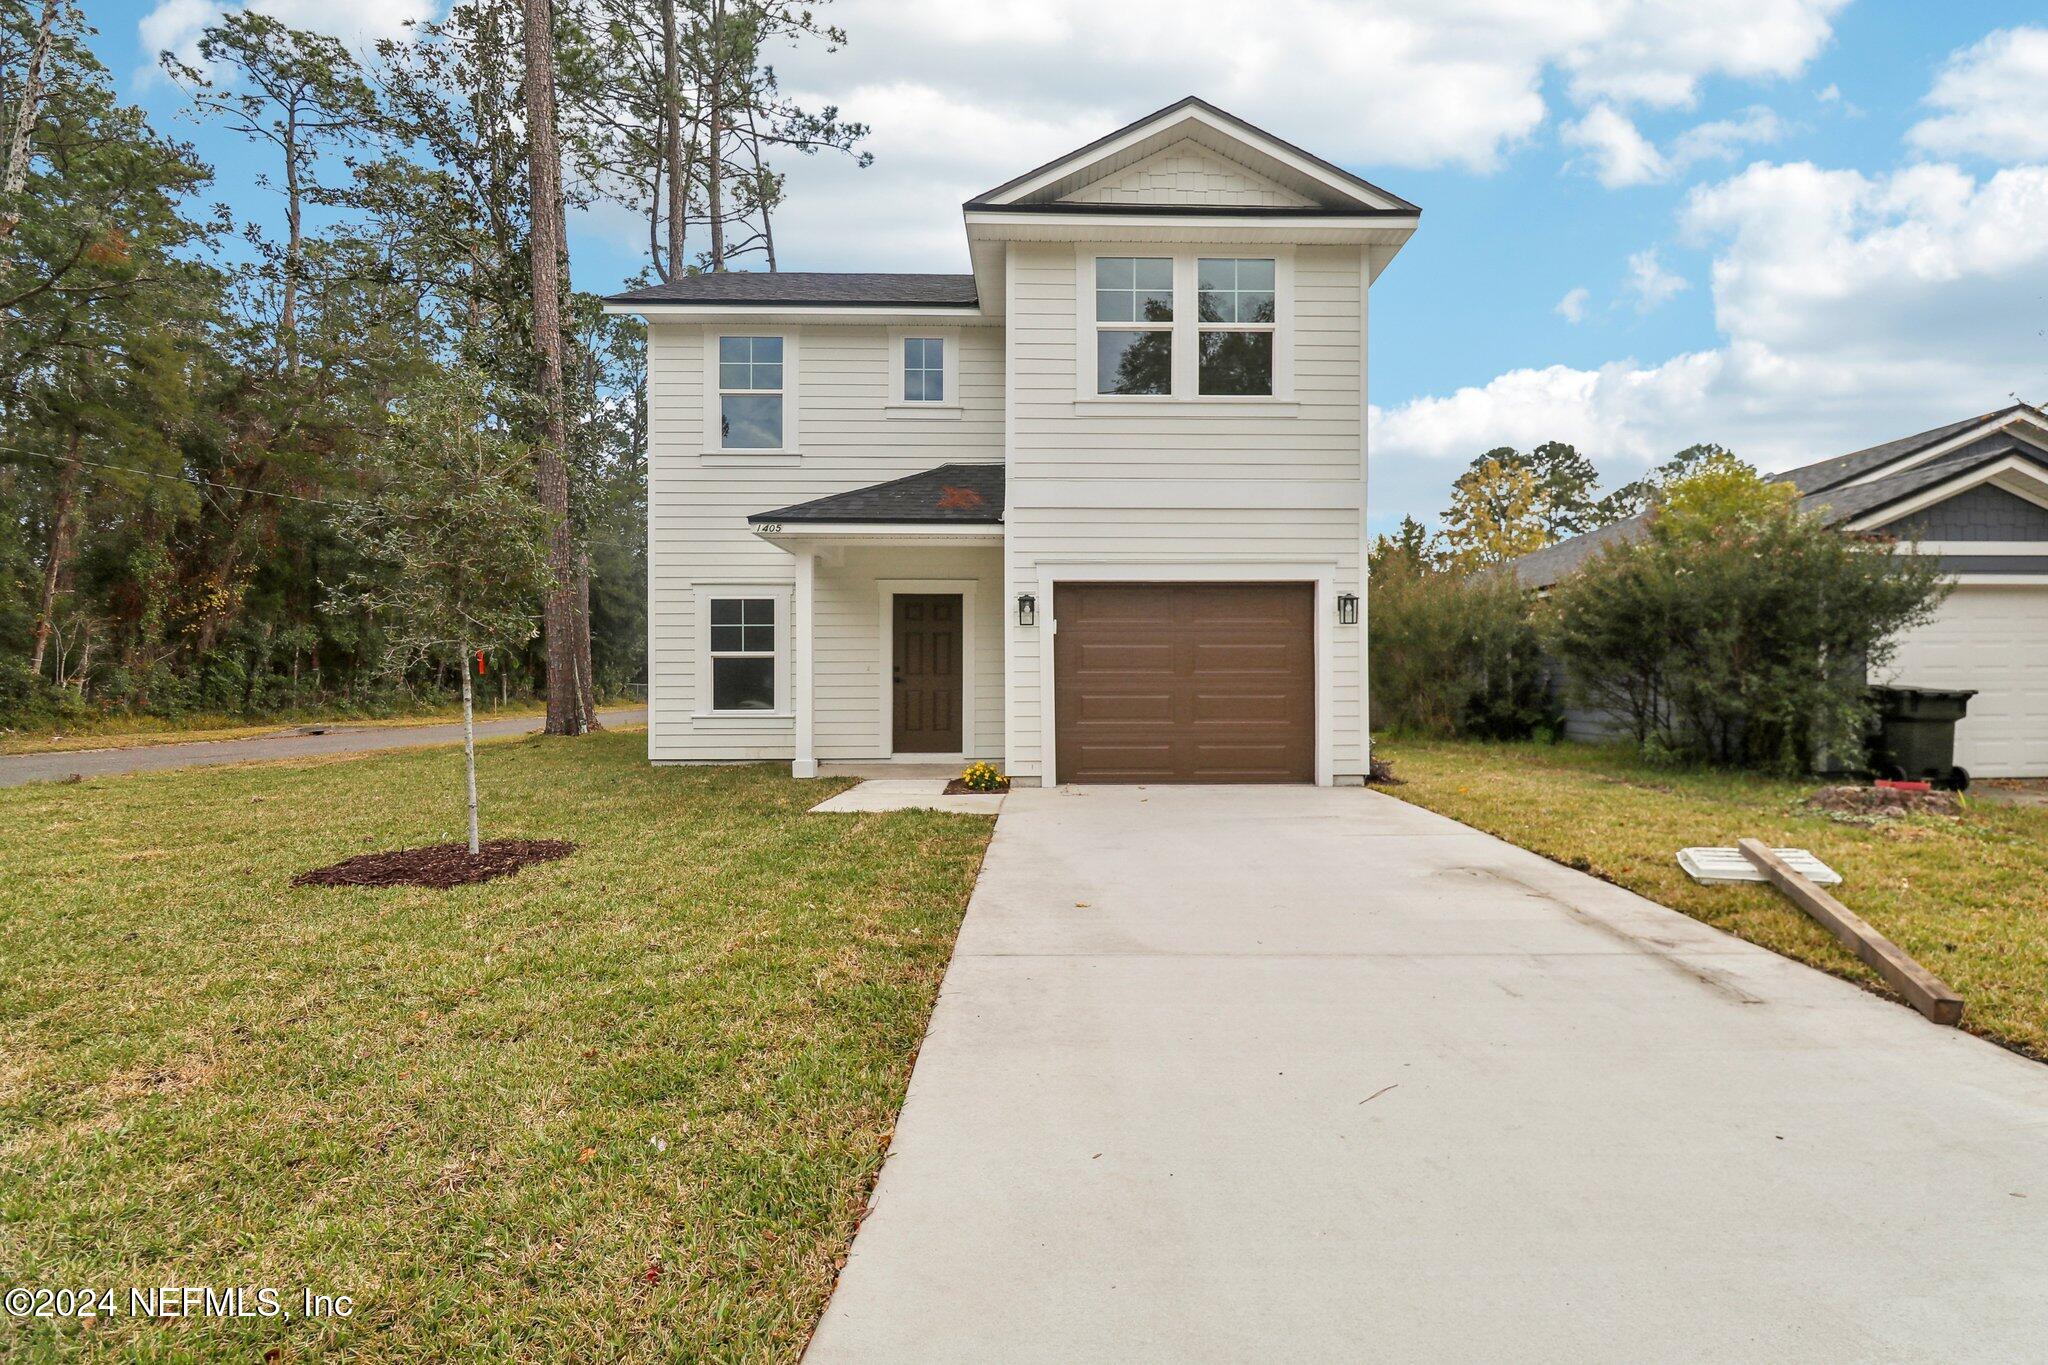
column 627, row 1105
column 1967, row 897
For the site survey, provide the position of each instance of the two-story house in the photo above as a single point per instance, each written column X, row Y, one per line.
column 1095, row 511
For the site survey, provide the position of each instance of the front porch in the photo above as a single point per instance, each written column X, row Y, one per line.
column 897, row 636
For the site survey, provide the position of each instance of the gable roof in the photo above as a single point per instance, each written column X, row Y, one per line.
column 952, row 494
column 1827, row 488
column 1341, row 191
column 809, row 289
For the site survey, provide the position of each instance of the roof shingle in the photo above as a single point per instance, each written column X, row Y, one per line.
column 810, row 289
column 952, row 494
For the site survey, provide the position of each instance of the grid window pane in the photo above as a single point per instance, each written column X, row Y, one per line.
column 750, row 362
column 1133, row 362
column 743, row 684
column 726, row 639
column 725, row 611
column 1236, row 291
column 924, row 370
column 734, row 350
column 1134, row 289
column 750, row 421
column 1237, row 363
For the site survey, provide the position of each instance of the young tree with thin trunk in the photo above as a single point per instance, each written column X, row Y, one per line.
column 454, row 547
column 28, row 107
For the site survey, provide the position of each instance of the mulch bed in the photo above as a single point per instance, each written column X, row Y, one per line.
column 958, row 788
column 1883, row 802
column 439, row 866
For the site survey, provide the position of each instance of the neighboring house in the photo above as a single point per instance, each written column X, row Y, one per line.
column 1095, row 511
column 1975, row 495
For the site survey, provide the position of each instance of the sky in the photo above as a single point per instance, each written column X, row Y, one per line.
column 1794, row 227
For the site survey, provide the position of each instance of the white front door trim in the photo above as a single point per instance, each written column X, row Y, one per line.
column 1053, row 572
column 885, row 637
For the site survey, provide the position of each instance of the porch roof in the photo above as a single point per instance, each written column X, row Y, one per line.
column 960, row 495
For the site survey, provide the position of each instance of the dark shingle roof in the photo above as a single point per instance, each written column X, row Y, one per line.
column 952, row 494
column 810, row 289
column 1826, row 490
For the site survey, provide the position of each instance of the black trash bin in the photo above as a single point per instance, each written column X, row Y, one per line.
column 1914, row 735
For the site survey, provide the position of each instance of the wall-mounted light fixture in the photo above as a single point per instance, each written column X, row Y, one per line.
column 1027, row 609
column 1347, row 608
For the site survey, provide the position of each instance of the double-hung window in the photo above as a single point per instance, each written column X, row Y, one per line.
column 1134, row 324
column 924, row 369
column 742, row 653
column 1234, row 305
column 750, row 393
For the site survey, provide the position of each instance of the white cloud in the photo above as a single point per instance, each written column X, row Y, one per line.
column 175, row 25
column 1572, row 307
column 1621, row 156
column 1377, row 85
column 1829, row 93
column 1993, row 99
column 1852, row 309
column 1650, row 282
column 1725, row 139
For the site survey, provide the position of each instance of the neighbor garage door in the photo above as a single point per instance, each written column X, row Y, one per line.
column 1184, row 682
column 1993, row 639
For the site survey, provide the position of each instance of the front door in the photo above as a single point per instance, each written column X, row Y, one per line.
column 927, row 645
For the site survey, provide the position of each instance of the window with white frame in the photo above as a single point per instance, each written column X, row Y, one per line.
column 1134, row 324
column 1236, row 315
column 742, row 653
column 750, row 393
column 924, row 369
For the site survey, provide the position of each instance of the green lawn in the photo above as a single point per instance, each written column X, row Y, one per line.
column 121, row 731
column 623, row 1106
column 1968, row 897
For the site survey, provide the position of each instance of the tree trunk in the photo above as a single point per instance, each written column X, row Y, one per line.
column 544, row 250
column 469, row 747
column 678, row 172
column 25, row 122
column 294, row 245
column 60, row 551
column 586, row 683
column 714, row 140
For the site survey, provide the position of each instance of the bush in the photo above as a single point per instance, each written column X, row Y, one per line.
column 1452, row 653
column 1739, row 630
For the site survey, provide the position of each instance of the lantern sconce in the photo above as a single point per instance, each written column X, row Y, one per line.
column 1027, row 609
column 1347, row 608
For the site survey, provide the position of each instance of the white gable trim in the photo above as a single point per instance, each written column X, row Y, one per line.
column 1182, row 157
column 2021, row 478
column 2036, row 432
column 1230, row 132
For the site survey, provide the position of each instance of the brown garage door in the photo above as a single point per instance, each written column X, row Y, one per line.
column 1184, row 682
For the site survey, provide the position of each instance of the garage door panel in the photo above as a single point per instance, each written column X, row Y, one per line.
column 1993, row 639
column 1184, row 682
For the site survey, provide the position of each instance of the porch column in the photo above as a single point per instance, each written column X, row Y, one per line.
column 803, row 638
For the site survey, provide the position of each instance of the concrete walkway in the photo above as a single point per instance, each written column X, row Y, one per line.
column 16, row 769
column 1297, row 1074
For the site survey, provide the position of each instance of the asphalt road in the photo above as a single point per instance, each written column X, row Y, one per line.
column 17, row 769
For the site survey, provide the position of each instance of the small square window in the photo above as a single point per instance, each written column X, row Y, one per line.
column 1134, row 289
column 742, row 639
column 1133, row 362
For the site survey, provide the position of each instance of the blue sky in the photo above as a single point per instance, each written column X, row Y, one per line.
column 1791, row 226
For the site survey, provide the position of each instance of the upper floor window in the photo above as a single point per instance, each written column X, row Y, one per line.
column 1134, row 324
column 750, row 393
column 1234, row 305
column 924, row 369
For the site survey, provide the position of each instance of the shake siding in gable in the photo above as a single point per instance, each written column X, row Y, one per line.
column 1191, row 483
column 698, row 505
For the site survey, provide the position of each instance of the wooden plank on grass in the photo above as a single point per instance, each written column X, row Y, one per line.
column 1923, row 990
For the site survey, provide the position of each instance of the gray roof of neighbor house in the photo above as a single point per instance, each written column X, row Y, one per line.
column 809, row 289
column 952, row 494
column 1827, row 488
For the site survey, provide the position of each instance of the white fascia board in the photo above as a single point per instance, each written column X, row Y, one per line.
column 713, row 312
column 2022, row 478
column 1237, row 135
column 1955, row 442
column 889, row 532
column 1227, row 222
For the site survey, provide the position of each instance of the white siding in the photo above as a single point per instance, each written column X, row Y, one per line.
column 1301, row 463
column 698, row 503
column 1186, row 173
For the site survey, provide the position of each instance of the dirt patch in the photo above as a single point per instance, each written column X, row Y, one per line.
column 1883, row 802
column 439, row 865
column 1381, row 774
column 959, row 788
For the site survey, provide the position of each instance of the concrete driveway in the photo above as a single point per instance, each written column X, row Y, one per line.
column 16, row 769
column 1285, row 1073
